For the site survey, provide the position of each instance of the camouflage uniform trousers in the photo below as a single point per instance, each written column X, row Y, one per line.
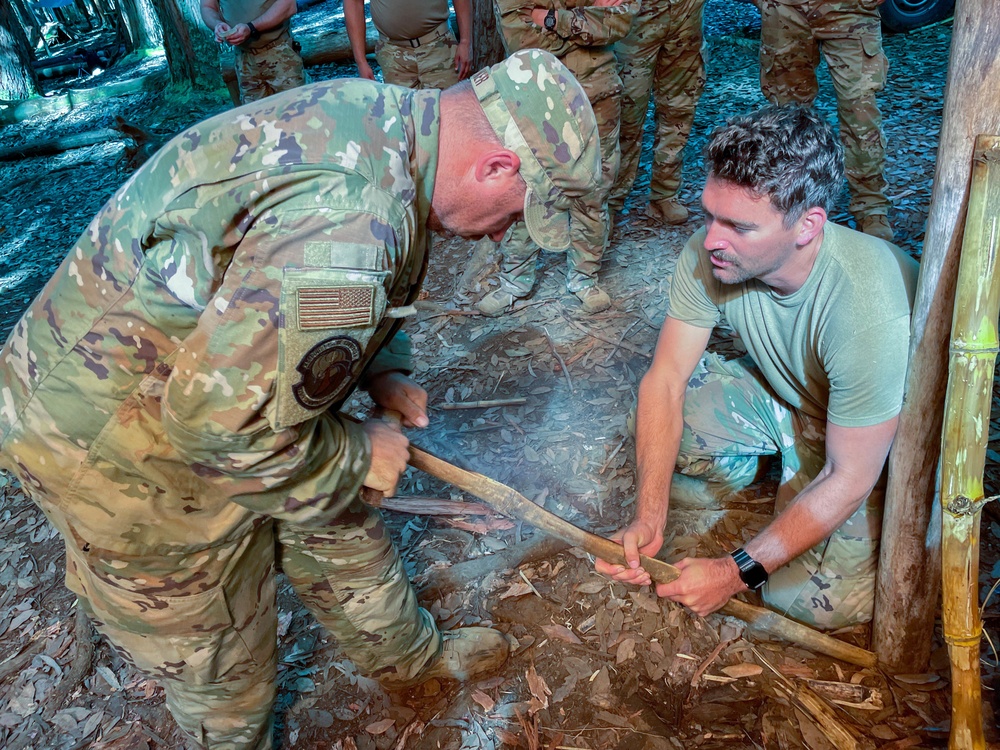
column 732, row 419
column 204, row 623
column 429, row 65
column 275, row 67
column 520, row 253
column 662, row 52
column 850, row 36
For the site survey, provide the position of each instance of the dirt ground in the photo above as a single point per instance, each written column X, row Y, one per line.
column 596, row 665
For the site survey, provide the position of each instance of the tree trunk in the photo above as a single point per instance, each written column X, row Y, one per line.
column 192, row 54
column 30, row 24
column 18, row 79
column 321, row 47
column 487, row 46
column 909, row 567
column 144, row 26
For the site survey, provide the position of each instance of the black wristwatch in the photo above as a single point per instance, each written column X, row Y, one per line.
column 550, row 20
column 752, row 573
column 254, row 34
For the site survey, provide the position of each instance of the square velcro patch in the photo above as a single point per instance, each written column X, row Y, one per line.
column 335, row 306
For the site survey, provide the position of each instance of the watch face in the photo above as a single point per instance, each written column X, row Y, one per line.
column 550, row 20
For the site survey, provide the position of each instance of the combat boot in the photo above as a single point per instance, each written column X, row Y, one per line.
column 877, row 225
column 467, row 654
column 593, row 299
column 496, row 303
column 668, row 211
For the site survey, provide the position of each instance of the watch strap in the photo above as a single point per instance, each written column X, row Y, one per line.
column 752, row 573
column 254, row 34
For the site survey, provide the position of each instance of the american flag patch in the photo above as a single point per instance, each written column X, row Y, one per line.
column 336, row 306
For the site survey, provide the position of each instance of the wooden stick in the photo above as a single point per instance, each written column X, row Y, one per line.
column 447, row 405
column 815, row 706
column 512, row 503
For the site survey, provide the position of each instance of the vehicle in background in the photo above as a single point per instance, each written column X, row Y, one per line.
column 906, row 15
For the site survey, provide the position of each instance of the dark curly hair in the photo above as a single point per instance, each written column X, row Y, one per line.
column 788, row 153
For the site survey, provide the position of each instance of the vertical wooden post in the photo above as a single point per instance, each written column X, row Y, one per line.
column 909, row 568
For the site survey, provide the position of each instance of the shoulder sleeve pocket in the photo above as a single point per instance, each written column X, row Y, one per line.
column 328, row 317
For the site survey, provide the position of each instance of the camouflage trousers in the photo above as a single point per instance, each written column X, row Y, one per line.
column 429, row 65
column 662, row 53
column 731, row 420
column 849, row 34
column 520, row 253
column 269, row 69
column 204, row 623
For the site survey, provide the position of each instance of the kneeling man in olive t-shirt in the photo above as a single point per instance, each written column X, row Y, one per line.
column 824, row 313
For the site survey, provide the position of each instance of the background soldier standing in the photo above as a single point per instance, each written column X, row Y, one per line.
column 579, row 33
column 171, row 398
column 416, row 47
column 849, row 34
column 267, row 57
column 662, row 52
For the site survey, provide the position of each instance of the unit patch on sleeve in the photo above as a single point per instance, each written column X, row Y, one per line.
column 328, row 317
column 327, row 371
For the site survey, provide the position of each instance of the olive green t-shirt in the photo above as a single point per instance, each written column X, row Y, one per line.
column 836, row 348
column 408, row 19
column 244, row 11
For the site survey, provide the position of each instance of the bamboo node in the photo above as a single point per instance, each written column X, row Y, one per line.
column 964, row 506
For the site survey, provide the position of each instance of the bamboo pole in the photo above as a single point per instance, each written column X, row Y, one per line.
column 972, row 359
column 908, row 578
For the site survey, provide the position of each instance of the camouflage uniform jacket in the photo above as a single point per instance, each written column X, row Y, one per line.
column 179, row 375
column 583, row 38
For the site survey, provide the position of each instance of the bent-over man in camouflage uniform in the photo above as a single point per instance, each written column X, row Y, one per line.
column 171, row 398
column 662, row 52
column 849, row 34
column 416, row 46
column 824, row 313
column 580, row 33
column 266, row 56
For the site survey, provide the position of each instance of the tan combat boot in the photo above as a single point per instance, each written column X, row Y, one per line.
column 668, row 211
column 877, row 225
column 496, row 303
column 467, row 654
column 593, row 299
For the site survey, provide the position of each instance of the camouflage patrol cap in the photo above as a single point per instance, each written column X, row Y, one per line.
column 540, row 111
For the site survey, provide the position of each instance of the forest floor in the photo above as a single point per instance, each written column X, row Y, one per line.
column 596, row 665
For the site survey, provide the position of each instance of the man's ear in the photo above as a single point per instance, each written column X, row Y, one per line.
column 810, row 225
column 499, row 163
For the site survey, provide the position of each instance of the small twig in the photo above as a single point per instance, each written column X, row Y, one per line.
column 619, row 344
column 486, row 404
column 605, row 339
column 611, row 458
column 708, row 662
column 562, row 363
column 530, row 584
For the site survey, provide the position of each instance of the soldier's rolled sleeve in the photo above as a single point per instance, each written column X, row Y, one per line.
column 595, row 25
column 514, row 19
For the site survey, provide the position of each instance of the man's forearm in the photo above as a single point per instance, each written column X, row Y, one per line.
column 354, row 21
column 815, row 513
column 274, row 16
column 658, row 428
column 211, row 14
column 463, row 14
